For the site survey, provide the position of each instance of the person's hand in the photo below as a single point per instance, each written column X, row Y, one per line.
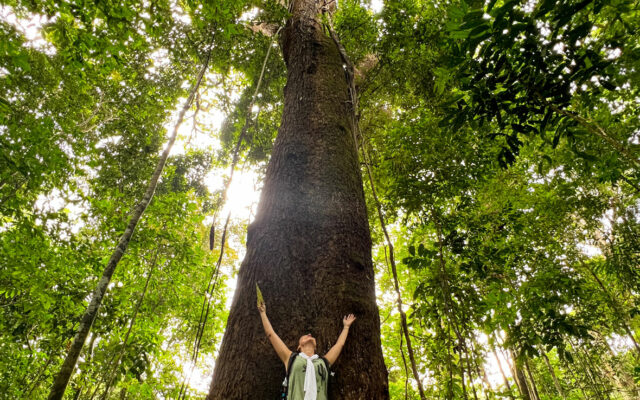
column 262, row 307
column 348, row 320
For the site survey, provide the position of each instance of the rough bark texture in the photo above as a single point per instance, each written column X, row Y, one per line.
column 309, row 248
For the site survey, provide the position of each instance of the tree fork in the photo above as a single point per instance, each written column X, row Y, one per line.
column 62, row 379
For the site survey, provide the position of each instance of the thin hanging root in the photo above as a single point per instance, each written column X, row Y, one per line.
column 204, row 312
column 213, row 281
column 212, row 234
column 403, row 316
column 349, row 75
column 349, row 72
column 243, row 133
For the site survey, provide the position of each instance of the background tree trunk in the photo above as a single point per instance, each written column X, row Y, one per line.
column 86, row 322
column 521, row 381
column 309, row 247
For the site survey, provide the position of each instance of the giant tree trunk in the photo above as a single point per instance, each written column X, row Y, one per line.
column 309, row 248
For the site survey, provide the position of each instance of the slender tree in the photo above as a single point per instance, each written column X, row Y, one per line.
column 309, row 248
column 66, row 370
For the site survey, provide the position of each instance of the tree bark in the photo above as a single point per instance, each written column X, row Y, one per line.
column 309, row 247
column 406, row 369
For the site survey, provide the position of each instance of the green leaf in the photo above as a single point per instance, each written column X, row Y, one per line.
column 459, row 34
column 490, row 5
column 608, row 85
column 474, row 15
column 580, row 32
column 21, row 61
column 556, row 140
column 260, row 299
column 545, row 7
column 421, row 250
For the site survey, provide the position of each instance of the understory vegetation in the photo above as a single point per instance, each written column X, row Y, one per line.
column 502, row 139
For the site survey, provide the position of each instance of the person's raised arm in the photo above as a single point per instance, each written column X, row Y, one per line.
column 334, row 352
column 283, row 351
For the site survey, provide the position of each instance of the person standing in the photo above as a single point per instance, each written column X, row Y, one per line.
column 309, row 376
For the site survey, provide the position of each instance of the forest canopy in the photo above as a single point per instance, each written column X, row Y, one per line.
column 499, row 147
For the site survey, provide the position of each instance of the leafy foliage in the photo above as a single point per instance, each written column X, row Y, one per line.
column 503, row 139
